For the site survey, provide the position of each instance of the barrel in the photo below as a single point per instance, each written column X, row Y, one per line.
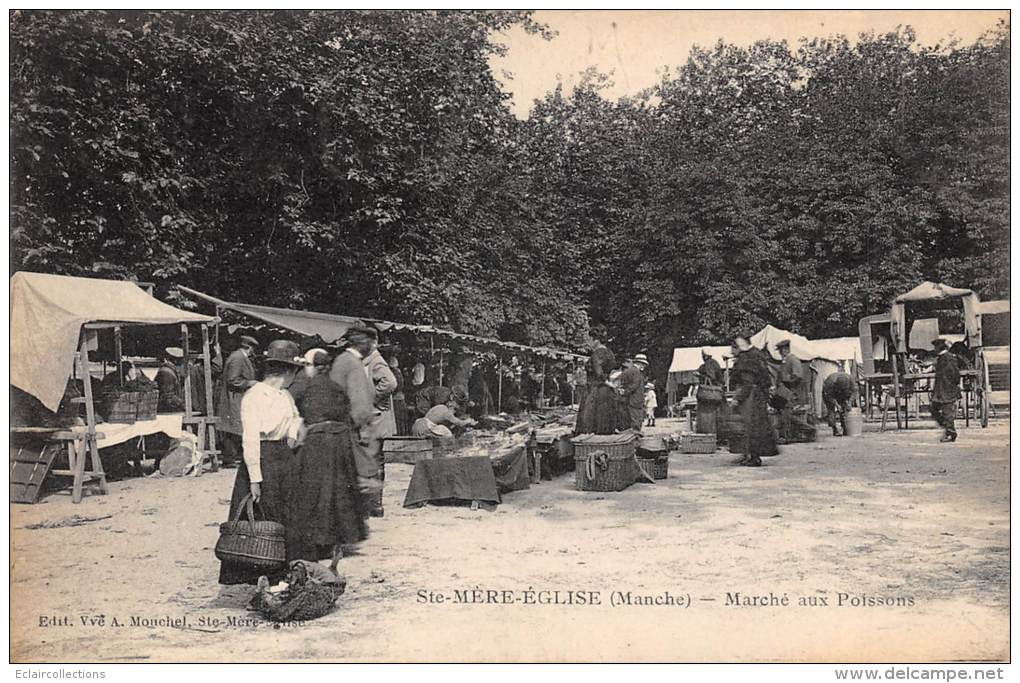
column 854, row 422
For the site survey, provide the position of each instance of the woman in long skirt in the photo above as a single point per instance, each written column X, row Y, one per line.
column 326, row 508
column 271, row 428
column 600, row 412
column 750, row 375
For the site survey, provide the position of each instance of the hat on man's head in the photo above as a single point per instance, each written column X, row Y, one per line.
column 316, row 357
column 641, row 358
column 649, row 385
column 940, row 343
column 250, row 342
column 783, row 342
column 285, row 352
column 360, row 331
column 174, row 352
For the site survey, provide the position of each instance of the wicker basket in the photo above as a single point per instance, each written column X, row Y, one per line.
column 612, row 444
column 120, row 407
column 656, row 467
column 697, row 443
column 598, row 470
column 147, row 403
column 258, row 545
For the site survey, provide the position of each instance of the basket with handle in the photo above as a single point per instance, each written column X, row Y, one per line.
column 655, row 466
column 258, row 545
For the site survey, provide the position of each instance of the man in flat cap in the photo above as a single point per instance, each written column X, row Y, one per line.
column 238, row 377
column 946, row 392
column 350, row 373
column 792, row 392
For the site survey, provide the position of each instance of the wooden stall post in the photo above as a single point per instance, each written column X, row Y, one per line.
column 499, row 382
column 210, row 424
column 117, row 354
column 89, row 448
column 541, row 389
column 187, row 372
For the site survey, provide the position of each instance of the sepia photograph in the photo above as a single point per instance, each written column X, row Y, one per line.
column 510, row 336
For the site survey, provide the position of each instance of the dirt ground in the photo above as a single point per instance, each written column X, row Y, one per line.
column 892, row 517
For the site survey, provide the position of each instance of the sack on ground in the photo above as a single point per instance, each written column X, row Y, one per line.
column 309, row 591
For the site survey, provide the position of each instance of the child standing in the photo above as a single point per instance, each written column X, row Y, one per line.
column 651, row 403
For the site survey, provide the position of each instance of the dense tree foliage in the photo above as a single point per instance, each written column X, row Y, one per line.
column 367, row 162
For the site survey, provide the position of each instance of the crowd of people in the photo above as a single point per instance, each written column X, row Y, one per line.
column 307, row 437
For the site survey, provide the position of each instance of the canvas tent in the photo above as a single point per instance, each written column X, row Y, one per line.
column 823, row 356
column 932, row 291
column 47, row 315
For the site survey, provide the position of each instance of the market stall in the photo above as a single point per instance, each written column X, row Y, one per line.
column 55, row 324
column 926, row 312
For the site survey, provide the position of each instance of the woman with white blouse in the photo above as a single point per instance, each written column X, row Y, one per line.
column 271, row 429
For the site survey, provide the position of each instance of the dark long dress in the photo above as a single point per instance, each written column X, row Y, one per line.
column 277, row 475
column 750, row 375
column 326, row 507
column 400, row 416
column 601, row 411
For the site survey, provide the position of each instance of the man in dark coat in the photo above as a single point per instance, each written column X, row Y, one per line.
column 168, row 381
column 837, row 391
column 791, row 392
column 946, row 392
column 238, row 376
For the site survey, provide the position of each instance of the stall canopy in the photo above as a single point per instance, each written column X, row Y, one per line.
column 47, row 314
column 330, row 326
column 689, row 359
column 932, row 291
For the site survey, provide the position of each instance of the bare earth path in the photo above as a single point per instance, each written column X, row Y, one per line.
column 890, row 517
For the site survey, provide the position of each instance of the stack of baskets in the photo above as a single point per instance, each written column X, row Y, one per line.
column 697, row 443
column 604, row 462
column 653, row 457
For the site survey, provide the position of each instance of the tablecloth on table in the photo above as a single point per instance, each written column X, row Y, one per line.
column 510, row 468
column 453, row 479
column 114, row 433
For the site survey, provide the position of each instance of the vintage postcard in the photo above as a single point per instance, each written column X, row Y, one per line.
column 510, row 336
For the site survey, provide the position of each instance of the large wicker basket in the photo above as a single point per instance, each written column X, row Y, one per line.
column 601, row 471
column 656, row 467
column 258, row 545
column 613, row 444
column 120, row 406
column 697, row 443
column 147, row 404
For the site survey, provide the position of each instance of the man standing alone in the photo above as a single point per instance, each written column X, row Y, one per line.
column 238, row 377
column 947, row 390
column 791, row 389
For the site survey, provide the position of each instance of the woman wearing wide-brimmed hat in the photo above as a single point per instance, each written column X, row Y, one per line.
column 270, row 430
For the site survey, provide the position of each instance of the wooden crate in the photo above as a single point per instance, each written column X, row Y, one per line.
column 31, row 460
column 406, row 449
